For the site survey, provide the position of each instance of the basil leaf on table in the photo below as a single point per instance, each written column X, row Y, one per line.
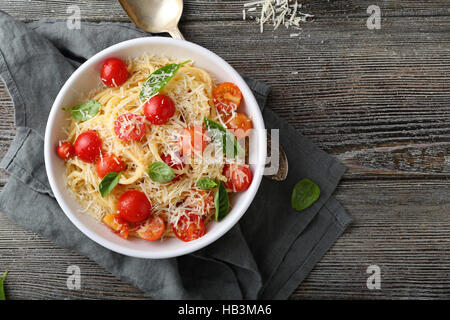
column 84, row 111
column 221, row 202
column 109, row 182
column 160, row 172
column 225, row 138
column 305, row 193
column 158, row 79
column 2, row 290
column 206, row 183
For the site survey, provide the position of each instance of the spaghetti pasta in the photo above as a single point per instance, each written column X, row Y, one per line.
column 137, row 165
column 191, row 89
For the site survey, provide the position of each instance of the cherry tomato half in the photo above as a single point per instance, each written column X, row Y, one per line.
column 227, row 97
column 159, row 109
column 117, row 224
column 239, row 124
column 134, row 206
column 174, row 165
column 130, row 126
column 239, row 177
column 109, row 163
column 65, row 150
column 114, row 72
column 88, row 146
column 193, row 140
column 153, row 229
column 189, row 228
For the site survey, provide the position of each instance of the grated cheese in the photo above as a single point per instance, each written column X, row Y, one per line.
column 278, row 13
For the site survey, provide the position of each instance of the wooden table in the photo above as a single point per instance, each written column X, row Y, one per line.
column 379, row 100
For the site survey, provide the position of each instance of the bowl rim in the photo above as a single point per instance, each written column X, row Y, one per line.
column 196, row 244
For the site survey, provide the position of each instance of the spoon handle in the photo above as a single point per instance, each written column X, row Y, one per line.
column 176, row 34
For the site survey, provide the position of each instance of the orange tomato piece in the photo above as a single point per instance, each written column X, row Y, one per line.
column 115, row 222
column 239, row 124
column 193, row 140
column 227, row 97
column 153, row 229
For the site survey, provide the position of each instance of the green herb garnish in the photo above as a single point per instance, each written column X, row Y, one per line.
column 305, row 193
column 109, row 182
column 84, row 111
column 158, row 79
column 160, row 172
column 221, row 202
column 230, row 145
column 206, row 183
column 2, row 290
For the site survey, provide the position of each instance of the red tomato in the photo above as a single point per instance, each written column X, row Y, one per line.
column 134, row 206
column 193, row 140
column 189, row 228
column 239, row 124
column 239, row 177
column 88, row 146
column 174, row 165
column 153, row 229
column 227, row 97
column 109, row 163
column 65, row 150
column 114, row 72
column 117, row 224
column 159, row 109
column 129, row 126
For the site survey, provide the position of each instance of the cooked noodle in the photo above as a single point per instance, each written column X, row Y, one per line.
column 191, row 90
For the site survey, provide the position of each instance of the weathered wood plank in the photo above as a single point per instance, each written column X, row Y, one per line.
column 402, row 226
column 381, row 106
column 386, row 91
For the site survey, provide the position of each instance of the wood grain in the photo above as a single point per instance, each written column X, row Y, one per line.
column 402, row 226
column 217, row 10
column 376, row 99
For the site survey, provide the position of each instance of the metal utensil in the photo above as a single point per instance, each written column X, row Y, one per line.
column 155, row 16
column 158, row 16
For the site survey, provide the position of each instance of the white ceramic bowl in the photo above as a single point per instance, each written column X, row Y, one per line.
column 87, row 77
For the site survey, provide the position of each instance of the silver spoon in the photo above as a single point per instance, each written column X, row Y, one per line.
column 156, row 16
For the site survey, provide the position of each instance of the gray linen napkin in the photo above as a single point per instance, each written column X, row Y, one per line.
column 266, row 255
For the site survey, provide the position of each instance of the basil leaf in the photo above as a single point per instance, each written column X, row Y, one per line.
column 206, row 183
column 160, row 172
column 225, row 138
column 84, row 111
column 305, row 193
column 221, row 202
column 2, row 290
column 109, row 182
column 158, row 79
